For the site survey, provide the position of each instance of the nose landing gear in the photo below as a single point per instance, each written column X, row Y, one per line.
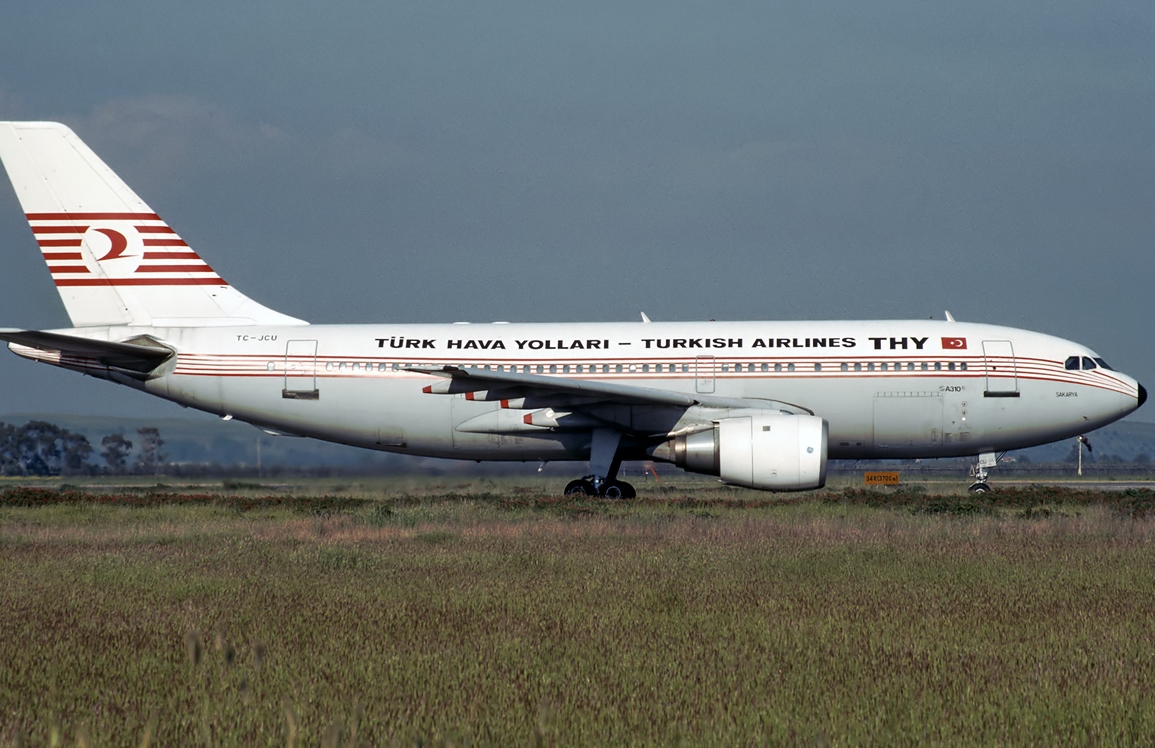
column 979, row 472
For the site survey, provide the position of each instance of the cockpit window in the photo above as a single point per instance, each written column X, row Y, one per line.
column 1072, row 363
column 1088, row 364
column 1103, row 364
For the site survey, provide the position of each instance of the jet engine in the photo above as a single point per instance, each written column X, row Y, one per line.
column 771, row 451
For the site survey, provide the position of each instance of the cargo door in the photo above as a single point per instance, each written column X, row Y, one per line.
column 904, row 420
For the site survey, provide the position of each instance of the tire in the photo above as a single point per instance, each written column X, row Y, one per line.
column 613, row 490
column 580, row 487
column 979, row 488
column 619, row 490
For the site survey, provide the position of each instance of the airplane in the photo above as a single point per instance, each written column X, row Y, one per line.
column 763, row 405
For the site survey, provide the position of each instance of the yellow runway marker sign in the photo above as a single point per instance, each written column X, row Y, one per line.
column 881, row 478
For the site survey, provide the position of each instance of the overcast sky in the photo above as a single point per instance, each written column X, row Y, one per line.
column 440, row 161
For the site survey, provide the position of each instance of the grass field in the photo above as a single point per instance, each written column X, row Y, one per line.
column 494, row 614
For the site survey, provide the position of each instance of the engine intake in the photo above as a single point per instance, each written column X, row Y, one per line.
column 771, row 451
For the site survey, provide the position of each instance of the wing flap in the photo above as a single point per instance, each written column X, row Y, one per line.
column 543, row 391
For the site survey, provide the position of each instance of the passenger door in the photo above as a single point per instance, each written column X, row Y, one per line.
column 300, row 371
column 1002, row 374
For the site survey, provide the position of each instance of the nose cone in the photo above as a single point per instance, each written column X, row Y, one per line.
column 1142, row 395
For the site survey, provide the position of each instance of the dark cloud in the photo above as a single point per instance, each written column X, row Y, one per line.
column 527, row 161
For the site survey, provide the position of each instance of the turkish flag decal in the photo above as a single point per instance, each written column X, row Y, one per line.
column 954, row 344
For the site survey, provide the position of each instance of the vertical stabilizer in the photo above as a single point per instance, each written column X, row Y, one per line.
column 114, row 261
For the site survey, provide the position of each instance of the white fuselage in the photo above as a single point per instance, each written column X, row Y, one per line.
column 888, row 389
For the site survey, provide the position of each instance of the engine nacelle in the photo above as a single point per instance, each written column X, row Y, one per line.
column 771, row 451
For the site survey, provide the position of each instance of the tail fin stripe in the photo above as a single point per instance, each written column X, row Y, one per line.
column 177, row 242
column 59, row 229
column 57, row 256
column 189, row 255
column 54, row 269
column 198, row 268
column 60, row 242
column 214, row 281
column 92, row 216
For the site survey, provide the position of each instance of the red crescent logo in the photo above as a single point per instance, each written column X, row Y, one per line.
column 119, row 244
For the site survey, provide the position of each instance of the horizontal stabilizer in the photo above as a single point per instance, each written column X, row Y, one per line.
column 128, row 356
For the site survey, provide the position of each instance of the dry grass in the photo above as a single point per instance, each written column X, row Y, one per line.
column 500, row 617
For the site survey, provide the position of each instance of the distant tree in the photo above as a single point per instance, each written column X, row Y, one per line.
column 150, row 459
column 9, row 456
column 75, row 453
column 38, row 444
column 115, row 450
column 1142, row 459
column 42, row 448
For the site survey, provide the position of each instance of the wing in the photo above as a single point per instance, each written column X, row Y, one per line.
column 138, row 357
column 549, row 402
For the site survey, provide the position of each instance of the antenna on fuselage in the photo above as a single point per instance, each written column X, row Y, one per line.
column 949, row 316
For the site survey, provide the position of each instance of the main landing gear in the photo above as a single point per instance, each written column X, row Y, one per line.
column 979, row 472
column 608, row 489
column 604, row 463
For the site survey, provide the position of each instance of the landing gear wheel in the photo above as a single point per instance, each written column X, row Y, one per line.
column 618, row 490
column 580, row 487
column 979, row 487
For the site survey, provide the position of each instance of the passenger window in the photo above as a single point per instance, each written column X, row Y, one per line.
column 565, row 369
column 882, row 366
column 1088, row 363
column 618, row 368
column 685, row 367
column 910, row 366
column 553, row 368
column 845, row 367
column 646, row 368
column 870, row 367
column 858, row 367
column 817, row 367
column 540, row 369
column 963, row 366
column 777, row 367
column 270, row 366
column 790, row 367
column 765, row 367
column 924, row 366
column 950, row 366
column 938, row 366
column 1072, row 364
